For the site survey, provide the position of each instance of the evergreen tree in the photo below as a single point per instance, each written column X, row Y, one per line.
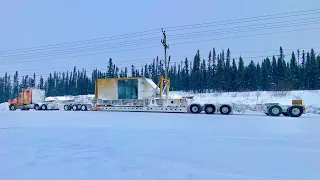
column 312, row 74
column 258, row 77
column 275, row 73
column 195, row 74
column 214, row 69
column 186, row 71
column 294, row 72
column 227, row 72
column 110, row 69
column 234, row 76
column 241, row 75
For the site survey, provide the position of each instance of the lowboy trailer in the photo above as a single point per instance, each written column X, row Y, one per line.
column 140, row 94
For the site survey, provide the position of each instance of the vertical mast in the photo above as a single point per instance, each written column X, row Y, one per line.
column 165, row 46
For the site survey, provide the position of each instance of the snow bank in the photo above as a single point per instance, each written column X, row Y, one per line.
column 4, row 106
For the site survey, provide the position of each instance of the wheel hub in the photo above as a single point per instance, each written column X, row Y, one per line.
column 225, row 109
column 295, row 111
column 275, row 110
column 194, row 108
column 209, row 109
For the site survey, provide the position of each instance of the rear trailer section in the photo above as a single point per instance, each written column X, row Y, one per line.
column 276, row 109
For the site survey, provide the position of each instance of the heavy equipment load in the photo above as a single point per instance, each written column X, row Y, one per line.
column 124, row 88
column 31, row 98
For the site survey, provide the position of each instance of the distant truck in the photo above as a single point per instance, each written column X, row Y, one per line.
column 31, row 98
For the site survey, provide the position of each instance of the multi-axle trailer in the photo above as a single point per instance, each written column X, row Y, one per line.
column 140, row 94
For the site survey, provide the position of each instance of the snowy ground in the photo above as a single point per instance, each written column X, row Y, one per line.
column 122, row 145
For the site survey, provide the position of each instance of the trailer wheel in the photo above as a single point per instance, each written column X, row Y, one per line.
column 209, row 108
column 275, row 110
column 44, row 107
column 84, row 107
column 295, row 111
column 225, row 109
column 195, row 108
column 74, row 107
column 36, row 107
column 66, row 107
column 12, row 107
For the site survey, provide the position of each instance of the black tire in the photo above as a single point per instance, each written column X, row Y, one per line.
column 75, row 107
column 66, row 107
column 209, row 109
column 225, row 109
column 44, row 107
column 79, row 106
column 36, row 107
column 275, row 110
column 84, row 107
column 12, row 107
column 295, row 111
column 195, row 108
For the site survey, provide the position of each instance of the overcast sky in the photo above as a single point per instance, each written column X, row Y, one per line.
column 35, row 23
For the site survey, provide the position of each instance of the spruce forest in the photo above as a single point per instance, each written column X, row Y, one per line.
column 207, row 72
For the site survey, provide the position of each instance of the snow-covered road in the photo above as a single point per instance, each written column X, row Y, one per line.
column 123, row 145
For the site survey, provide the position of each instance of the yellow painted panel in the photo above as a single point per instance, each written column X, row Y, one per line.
column 107, row 89
column 296, row 102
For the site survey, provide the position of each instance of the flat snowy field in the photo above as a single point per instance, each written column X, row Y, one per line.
column 122, row 145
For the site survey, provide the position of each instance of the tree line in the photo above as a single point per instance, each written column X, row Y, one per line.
column 212, row 72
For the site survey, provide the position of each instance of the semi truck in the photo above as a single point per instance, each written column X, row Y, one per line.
column 31, row 98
